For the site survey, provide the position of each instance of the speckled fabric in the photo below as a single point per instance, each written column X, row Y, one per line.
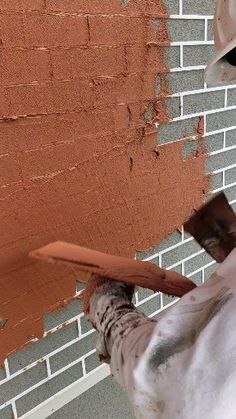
column 182, row 365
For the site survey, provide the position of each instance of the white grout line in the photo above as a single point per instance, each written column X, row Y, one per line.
column 205, row 30
column 48, row 367
column 232, row 166
column 212, row 153
column 191, row 17
column 181, row 56
column 180, row 8
column 226, row 97
column 192, row 43
column 162, row 252
column 69, row 393
column 6, row 366
column 14, row 411
column 202, row 113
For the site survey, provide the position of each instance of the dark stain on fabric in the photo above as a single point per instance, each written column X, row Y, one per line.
column 197, row 317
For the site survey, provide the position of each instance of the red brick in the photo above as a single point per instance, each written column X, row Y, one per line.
column 12, row 30
column 56, row 30
column 116, row 30
column 24, row 66
column 21, row 4
column 104, row 61
column 85, row 6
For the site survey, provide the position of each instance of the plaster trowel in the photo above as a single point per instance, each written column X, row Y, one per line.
column 135, row 272
column 214, row 227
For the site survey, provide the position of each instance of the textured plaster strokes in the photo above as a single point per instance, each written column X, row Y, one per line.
column 78, row 154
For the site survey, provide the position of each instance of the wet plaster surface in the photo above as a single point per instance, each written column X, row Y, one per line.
column 79, row 153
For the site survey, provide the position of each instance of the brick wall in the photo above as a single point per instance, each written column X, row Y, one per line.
column 64, row 363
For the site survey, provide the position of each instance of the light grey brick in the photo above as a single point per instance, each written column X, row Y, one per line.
column 230, row 176
column 221, row 160
column 22, row 382
column 196, row 278
column 92, row 362
column 190, row 148
column 231, row 138
column 172, row 56
column 200, row 7
column 214, row 142
column 105, row 400
column 151, row 306
column 197, row 103
column 73, row 352
column 196, row 262
column 79, row 286
column 181, row 81
column 231, row 97
column 231, row 193
column 85, row 325
column 186, row 30
column 178, row 268
column 219, row 120
column 172, row 6
column 2, row 373
column 43, row 347
column 210, row 270
column 170, row 240
column 179, row 253
column 167, row 299
column 197, row 54
column 143, row 293
column 216, row 181
column 177, row 130
column 210, row 34
column 172, row 106
column 54, row 319
column 6, row 413
column 48, row 389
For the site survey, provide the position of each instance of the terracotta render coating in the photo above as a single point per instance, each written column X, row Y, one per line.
column 79, row 159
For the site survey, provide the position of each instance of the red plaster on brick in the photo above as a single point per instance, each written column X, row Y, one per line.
column 67, row 142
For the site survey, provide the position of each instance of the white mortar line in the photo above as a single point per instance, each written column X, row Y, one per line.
column 226, row 97
column 212, row 153
column 198, row 91
column 192, row 43
column 162, row 252
column 191, row 17
column 6, row 366
column 202, row 113
column 227, row 168
column 205, row 30
column 14, row 411
column 69, row 393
